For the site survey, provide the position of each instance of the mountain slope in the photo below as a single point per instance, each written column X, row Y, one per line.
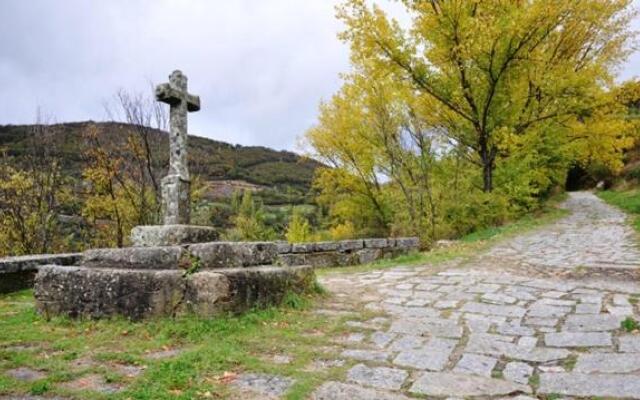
column 212, row 160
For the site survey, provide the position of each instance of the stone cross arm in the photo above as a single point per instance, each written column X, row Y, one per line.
column 171, row 95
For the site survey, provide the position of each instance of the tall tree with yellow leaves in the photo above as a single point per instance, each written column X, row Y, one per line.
column 494, row 71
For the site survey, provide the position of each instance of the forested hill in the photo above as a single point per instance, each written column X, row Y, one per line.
column 210, row 159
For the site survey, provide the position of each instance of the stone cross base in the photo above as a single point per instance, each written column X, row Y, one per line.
column 175, row 200
column 169, row 235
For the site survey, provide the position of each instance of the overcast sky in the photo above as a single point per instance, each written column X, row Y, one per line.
column 260, row 67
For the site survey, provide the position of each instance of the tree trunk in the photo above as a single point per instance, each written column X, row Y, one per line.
column 487, row 175
column 487, row 156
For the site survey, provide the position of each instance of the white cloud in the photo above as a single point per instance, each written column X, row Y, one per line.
column 260, row 66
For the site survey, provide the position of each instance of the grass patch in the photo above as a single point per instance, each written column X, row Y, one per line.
column 570, row 362
column 467, row 246
column 630, row 325
column 627, row 200
column 209, row 349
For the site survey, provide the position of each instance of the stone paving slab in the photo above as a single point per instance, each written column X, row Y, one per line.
column 433, row 356
column 578, row 339
column 342, row 391
column 608, row 363
column 263, row 384
column 380, row 377
column 630, row 344
column 590, row 385
column 462, row 385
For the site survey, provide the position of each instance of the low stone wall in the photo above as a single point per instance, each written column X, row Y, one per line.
column 217, row 255
column 17, row 273
column 345, row 252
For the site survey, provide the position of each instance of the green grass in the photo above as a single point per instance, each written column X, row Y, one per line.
column 628, row 201
column 211, row 348
column 467, row 246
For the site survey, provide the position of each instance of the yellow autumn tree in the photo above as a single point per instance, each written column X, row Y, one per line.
column 469, row 116
column 33, row 195
column 493, row 71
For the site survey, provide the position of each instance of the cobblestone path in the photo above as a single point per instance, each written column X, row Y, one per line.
column 496, row 327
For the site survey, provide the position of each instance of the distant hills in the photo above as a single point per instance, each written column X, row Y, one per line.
column 225, row 167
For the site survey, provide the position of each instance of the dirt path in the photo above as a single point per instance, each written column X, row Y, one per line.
column 497, row 327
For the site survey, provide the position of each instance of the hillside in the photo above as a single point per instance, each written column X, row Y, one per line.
column 222, row 165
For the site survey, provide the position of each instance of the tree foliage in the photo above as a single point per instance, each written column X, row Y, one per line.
column 249, row 221
column 493, row 72
column 472, row 114
column 298, row 229
column 32, row 197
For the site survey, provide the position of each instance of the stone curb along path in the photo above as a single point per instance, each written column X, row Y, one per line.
column 496, row 328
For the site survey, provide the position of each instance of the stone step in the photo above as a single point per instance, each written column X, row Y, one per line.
column 214, row 255
column 142, row 293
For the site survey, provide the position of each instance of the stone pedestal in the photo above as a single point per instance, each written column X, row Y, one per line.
column 169, row 235
column 173, row 274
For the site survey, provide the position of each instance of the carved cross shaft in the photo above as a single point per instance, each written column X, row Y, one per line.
column 176, row 185
column 180, row 101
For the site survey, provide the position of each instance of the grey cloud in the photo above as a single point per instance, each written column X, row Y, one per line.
column 261, row 67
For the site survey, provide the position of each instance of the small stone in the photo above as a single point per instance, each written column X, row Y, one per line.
column 492, row 309
column 25, row 374
column 267, row 385
column 407, row 342
column 557, row 302
column 498, row 298
column 592, row 323
column 352, row 338
column 588, row 308
column 162, row 354
column 527, row 342
column 484, row 288
column 620, row 311
column 629, row 344
column 434, row 356
column 535, row 321
column 444, row 304
column 551, row 368
column 343, row 391
column 281, row 359
column 514, row 329
column 318, row 365
column 511, row 350
column 417, row 303
column 366, row 355
column 382, row 339
column 92, row 382
column 432, row 326
column 609, row 363
column 462, row 385
column 476, row 364
column 130, row 371
column 380, row 378
column 553, row 294
column 577, row 339
column 518, row 372
column 590, row 385
column 546, row 311
column 589, row 298
column 620, row 300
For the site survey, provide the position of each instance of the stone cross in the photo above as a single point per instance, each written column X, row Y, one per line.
column 176, row 185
